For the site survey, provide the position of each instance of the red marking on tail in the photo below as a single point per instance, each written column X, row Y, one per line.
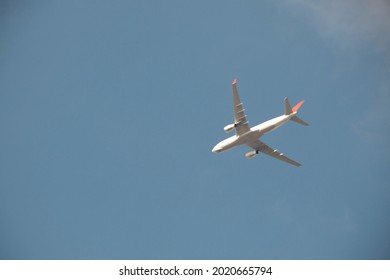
column 296, row 107
column 235, row 81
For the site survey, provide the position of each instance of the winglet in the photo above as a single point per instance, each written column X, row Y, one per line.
column 234, row 82
column 296, row 107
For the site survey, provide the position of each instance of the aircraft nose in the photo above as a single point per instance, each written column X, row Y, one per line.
column 216, row 149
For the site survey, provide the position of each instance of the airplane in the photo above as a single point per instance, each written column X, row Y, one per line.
column 250, row 136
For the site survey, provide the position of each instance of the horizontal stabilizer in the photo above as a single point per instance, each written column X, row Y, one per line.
column 298, row 120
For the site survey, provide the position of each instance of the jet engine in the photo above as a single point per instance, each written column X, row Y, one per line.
column 251, row 154
column 229, row 127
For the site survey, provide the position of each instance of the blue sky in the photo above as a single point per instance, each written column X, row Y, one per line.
column 109, row 111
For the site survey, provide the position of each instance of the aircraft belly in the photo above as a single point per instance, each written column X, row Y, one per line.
column 268, row 129
column 249, row 137
column 271, row 125
column 227, row 144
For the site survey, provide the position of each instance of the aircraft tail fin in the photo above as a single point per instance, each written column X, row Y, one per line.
column 288, row 110
column 287, row 107
column 296, row 107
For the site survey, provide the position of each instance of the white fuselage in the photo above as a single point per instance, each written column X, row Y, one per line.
column 253, row 134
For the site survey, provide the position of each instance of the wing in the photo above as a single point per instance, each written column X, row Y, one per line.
column 264, row 148
column 240, row 121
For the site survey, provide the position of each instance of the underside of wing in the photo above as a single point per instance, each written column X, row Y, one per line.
column 240, row 121
column 264, row 148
